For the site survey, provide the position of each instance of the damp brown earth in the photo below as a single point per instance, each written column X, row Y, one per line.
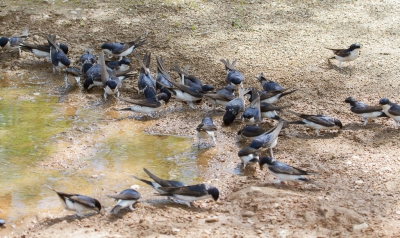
column 358, row 166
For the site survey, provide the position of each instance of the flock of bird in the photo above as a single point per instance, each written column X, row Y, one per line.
column 97, row 72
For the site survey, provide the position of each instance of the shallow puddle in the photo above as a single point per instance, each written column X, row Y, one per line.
column 33, row 124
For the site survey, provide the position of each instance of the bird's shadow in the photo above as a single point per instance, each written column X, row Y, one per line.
column 335, row 67
column 69, row 218
column 120, row 215
column 291, row 186
column 165, row 203
column 354, row 126
column 323, row 135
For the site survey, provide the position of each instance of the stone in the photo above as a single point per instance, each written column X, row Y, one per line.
column 361, row 226
column 248, row 214
column 212, row 219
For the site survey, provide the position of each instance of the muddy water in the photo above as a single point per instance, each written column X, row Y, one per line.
column 36, row 126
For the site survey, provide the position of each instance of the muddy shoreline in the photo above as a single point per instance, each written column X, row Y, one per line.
column 357, row 166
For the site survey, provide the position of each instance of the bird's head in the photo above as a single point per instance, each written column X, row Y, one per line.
column 213, row 191
column 350, row 100
column 265, row 161
column 384, row 101
column 3, row 41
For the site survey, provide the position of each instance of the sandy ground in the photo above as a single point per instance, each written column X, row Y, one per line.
column 286, row 40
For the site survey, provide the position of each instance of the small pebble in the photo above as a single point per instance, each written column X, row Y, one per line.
column 248, row 214
column 212, row 219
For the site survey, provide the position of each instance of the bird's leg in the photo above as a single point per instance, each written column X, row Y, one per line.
column 278, row 181
column 397, row 124
column 117, row 94
column 213, row 137
column 183, row 79
column 271, row 152
column 77, row 79
column 191, row 104
column 317, row 131
column 198, row 140
column 131, row 207
column 66, row 80
column 54, row 69
column 365, row 121
column 105, row 94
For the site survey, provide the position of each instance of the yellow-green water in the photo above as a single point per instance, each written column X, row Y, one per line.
column 31, row 123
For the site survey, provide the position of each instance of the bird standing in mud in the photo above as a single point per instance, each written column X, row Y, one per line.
column 234, row 107
column 269, row 139
column 126, row 198
column 206, row 129
column 11, row 43
column 284, row 172
column 191, row 193
column 318, row 122
column 233, row 76
column 78, row 203
column 391, row 109
column 57, row 57
column 111, row 82
column 363, row 110
column 122, row 49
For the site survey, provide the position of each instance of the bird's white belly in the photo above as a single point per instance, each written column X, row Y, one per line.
column 141, row 109
column 110, row 91
column 286, row 177
column 274, row 143
column 353, row 55
column 125, row 203
column 386, row 109
column 191, row 199
column 249, row 122
column 370, row 114
column 40, row 54
column 272, row 99
column 185, row 96
column 75, row 206
column 127, row 52
column 316, row 126
column 269, row 114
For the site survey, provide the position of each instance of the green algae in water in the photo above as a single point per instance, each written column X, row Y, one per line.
column 27, row 123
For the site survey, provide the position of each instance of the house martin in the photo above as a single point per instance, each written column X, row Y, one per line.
column 126, row 198
column 363, row 110
column 191, row 193
column 318, row 122
column 159, row 182
column 269, row 139
column 78, row 203
column 349, row 54
column 284, row 172
column 233, row 76
column 206, row 129
column 391, row 109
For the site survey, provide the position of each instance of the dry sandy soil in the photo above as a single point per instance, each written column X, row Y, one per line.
column 358, row 167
